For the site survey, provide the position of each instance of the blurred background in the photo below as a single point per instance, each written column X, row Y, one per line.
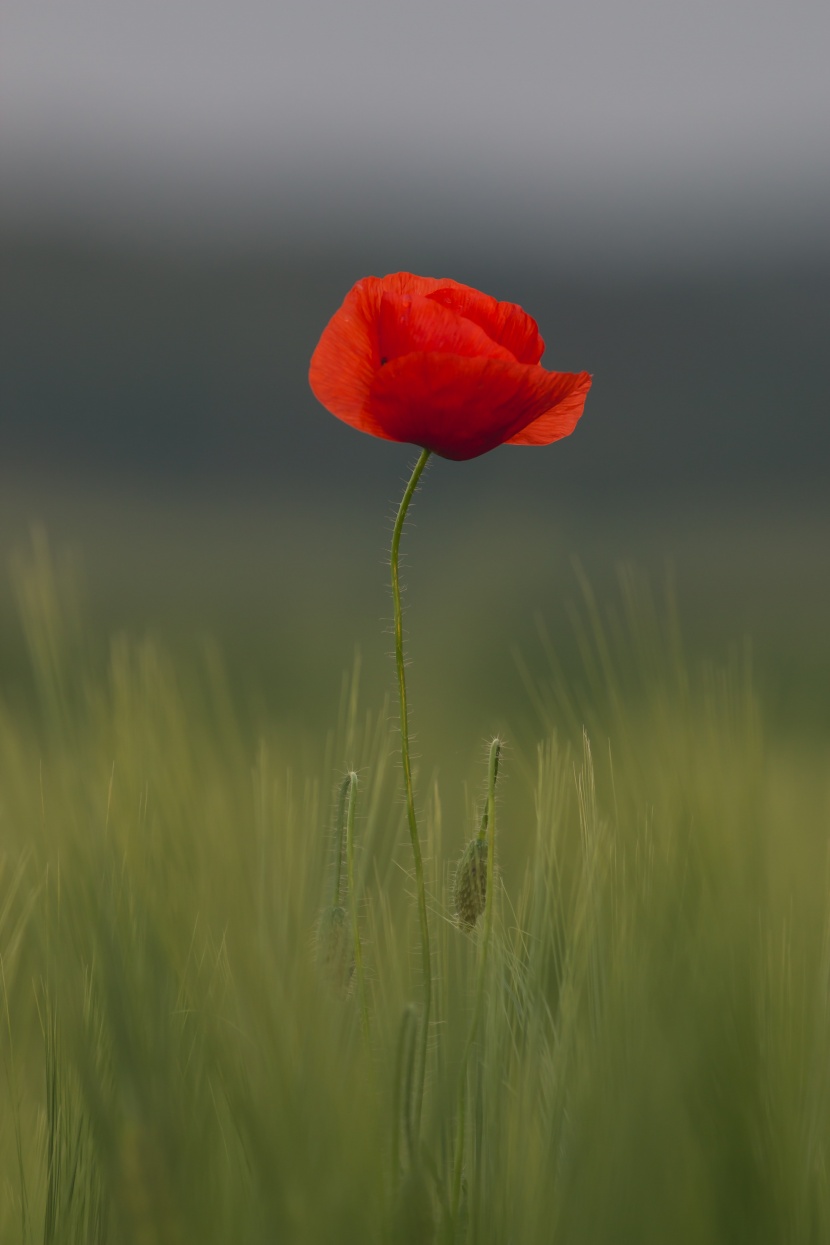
column 189, row 188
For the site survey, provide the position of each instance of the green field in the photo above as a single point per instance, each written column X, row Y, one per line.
column 641, row 1050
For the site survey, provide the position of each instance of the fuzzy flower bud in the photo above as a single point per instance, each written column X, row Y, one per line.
column 470, row 889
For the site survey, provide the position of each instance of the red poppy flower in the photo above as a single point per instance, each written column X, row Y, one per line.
column 443, row 366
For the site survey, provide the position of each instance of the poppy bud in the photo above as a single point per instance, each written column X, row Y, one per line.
column 470, row 888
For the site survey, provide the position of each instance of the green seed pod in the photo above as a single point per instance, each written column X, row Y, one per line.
column 470, row 890
column 334, row 948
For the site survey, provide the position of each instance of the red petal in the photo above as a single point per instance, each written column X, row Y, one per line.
column 409, row 283
column 410, row 322
column 347, row 357
column 558, row 422
column 462, row 407
column 505, row 323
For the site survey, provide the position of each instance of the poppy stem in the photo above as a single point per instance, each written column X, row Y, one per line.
column 410, row 799
column 345, row 787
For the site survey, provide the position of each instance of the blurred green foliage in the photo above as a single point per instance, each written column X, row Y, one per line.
column 652, row 1059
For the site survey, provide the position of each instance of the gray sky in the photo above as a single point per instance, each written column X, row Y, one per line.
column 596, row 126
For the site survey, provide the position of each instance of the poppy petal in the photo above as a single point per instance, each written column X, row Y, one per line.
column 347, row 357
column 409, row 323
column 506, row 323
column 462, row 407
column 560, row 420
column 348, row 354
column 409, row 283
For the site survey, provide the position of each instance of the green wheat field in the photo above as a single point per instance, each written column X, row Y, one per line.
column 194, row 1048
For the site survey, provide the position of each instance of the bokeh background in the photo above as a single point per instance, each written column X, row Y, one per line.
column 190, row 187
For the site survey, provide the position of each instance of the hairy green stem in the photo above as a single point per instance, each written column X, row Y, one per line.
column 495, row 750
column 488, row 822
column 338, row 831
column 410, row 799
